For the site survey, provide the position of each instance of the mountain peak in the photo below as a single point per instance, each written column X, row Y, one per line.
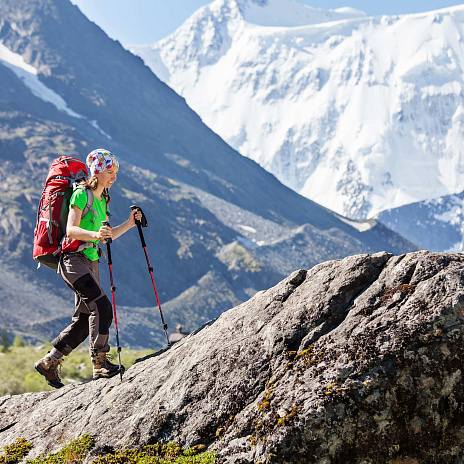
column 360, row 115
column 290, row 13
column 283, row 13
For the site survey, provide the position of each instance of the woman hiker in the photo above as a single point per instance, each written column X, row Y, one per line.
column 79, row 270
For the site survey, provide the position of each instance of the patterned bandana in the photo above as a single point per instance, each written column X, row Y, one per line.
column 100, row 160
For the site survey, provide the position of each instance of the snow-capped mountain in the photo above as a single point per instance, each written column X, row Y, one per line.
column 435, row 225
column 220, row 227
column 358, row 113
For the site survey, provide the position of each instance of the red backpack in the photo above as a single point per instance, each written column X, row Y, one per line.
column 64, row 176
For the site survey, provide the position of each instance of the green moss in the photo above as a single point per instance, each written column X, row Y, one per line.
column 159, row 454
column 15, row 452
column 73, row 453
column 77, row 450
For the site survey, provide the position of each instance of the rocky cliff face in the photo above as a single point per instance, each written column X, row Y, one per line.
column 356, row 360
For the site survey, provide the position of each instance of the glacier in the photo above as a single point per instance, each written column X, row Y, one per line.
column 360, row 114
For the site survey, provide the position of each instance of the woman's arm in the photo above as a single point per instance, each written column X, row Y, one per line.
column 78, row 233
column 125, row 226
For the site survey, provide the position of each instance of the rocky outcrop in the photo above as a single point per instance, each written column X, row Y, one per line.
column 356, row 360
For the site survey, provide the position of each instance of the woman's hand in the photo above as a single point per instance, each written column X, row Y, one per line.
column 104, row 233
column 135, row 214
column 124, row 227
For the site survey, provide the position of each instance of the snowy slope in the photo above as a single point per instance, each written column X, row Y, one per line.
column 29, row 75
column 435, row 225
column 359, row 114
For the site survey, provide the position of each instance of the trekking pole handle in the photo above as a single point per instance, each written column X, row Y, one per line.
column 140, row 224
column 106, row 223
column 143, row 222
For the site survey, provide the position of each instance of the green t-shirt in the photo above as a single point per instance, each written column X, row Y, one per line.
column 92, row 220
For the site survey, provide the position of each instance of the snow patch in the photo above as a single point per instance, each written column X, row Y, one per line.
column 349, row 12
column 290, row 13
column 95, row 124
column 361, row 226
column 28, row 74
column 248, row 228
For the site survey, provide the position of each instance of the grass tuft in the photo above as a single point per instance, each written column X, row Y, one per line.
column 73, row 453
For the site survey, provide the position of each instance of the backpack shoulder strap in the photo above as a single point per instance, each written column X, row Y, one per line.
column 90, row 197
column 88, row 206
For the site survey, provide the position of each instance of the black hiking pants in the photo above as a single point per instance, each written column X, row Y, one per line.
column 93, row 314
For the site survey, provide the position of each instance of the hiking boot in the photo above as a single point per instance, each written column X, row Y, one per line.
column 103, row 368
column 48, row 367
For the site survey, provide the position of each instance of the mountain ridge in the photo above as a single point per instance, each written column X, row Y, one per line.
column 435, row 225
column 360, row 115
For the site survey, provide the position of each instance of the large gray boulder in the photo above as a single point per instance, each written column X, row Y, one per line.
column 357, row 360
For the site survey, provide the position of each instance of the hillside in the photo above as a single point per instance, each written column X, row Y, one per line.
column 354, row 352
column 357, row 113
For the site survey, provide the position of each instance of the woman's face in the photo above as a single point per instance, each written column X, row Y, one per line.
column 107, row 178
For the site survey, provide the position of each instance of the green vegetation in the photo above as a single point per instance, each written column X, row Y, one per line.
column 19, row 375
column 73, row 453
column 5, row 344
column 158, row 454
column 77, row 450
column 236, row 257
column 15, row 452
column 18, row 341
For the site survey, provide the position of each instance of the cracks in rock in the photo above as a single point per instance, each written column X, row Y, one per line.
column 57, row 397
column 78, row 407
column 99, row 398
column 293, row 284
column 290, row 288
column 158, row 353
column 327, row 324
column 4, row 429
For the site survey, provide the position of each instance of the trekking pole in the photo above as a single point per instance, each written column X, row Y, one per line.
column 140, row 224
column 113, row 289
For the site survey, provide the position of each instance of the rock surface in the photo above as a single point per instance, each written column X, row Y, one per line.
column 356, row 360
